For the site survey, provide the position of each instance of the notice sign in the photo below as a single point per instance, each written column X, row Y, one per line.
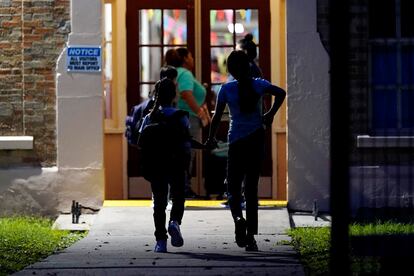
column 83, row 59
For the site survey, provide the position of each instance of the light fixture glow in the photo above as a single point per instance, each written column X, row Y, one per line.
column 238, row 28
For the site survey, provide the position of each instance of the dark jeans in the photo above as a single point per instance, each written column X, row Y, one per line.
column 195, row 132
column 159, row 186
column 245, row 162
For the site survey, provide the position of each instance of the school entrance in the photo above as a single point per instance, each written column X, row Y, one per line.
column 210, row 29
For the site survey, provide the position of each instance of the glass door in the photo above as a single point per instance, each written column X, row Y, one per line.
column 154, row 26
column 224, row 23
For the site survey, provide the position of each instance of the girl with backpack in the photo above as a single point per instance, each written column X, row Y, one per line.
column 165, row 142
column 246, row 140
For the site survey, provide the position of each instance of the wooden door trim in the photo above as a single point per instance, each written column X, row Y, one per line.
column 132, row 38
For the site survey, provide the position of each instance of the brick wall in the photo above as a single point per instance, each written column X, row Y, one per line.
column 32, row 35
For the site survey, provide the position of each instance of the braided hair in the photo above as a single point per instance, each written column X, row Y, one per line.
column 239, row 67
column 163, row 96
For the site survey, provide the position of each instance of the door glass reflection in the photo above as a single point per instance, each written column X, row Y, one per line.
column 175, row 27
column 247, row 22
column 145, row 90
column 150, row 26
column 150, row 63
column 218, row 65
column 221, row 27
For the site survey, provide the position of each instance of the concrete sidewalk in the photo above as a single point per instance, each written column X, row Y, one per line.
column 121, row 242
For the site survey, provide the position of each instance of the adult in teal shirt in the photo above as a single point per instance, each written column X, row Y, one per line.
column 191, row 98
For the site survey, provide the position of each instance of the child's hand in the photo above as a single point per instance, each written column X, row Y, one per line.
column 204, row 115
column 211, row 143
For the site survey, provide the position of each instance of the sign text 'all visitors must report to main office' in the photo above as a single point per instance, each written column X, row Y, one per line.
column 84, row 59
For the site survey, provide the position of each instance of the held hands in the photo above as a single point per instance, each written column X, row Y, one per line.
column 204, row 115
column 211, row 143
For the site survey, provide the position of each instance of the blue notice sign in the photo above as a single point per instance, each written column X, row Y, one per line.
column 84, row 59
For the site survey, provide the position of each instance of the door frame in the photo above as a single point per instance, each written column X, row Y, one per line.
column 277, row 74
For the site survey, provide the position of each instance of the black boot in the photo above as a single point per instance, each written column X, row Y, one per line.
column 240, row 231
column 251, row 244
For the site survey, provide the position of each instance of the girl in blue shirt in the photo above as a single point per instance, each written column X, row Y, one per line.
column 246, row 140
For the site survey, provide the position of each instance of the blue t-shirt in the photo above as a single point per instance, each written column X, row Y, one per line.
column 242, row 124
column 169, row 111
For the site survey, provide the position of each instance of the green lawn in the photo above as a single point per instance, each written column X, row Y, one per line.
column 26, row 240
column 313, row 245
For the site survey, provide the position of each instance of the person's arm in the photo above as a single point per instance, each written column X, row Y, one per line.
column 215, row 122
column 279, row 95
column 188, row 97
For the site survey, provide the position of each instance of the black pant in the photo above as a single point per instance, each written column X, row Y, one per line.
column 244, row 162
column 159, row 185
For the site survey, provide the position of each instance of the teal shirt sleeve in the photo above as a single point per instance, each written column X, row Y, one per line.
column 185, row 81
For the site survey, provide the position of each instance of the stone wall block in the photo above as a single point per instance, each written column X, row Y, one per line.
column 6, row 109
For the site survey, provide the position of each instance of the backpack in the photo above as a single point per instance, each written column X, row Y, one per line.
column 133, row 122
column 162, row 145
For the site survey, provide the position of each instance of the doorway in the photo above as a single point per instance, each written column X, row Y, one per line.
column 210, row 29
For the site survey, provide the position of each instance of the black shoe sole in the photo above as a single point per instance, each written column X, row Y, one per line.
column 252, row 248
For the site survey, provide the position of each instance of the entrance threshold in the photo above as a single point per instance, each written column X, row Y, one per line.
column 189, row 203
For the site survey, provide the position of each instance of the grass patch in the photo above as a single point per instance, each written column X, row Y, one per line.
column 26, row 240
column 381, row 228
column 313, row 245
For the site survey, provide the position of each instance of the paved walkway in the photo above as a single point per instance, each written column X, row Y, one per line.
column 121, row 242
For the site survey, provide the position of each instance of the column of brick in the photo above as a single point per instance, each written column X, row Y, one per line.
column 11, row 68
column 45, row 28
column 37, row 40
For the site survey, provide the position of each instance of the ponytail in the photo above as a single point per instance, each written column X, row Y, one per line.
column 238, row 65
